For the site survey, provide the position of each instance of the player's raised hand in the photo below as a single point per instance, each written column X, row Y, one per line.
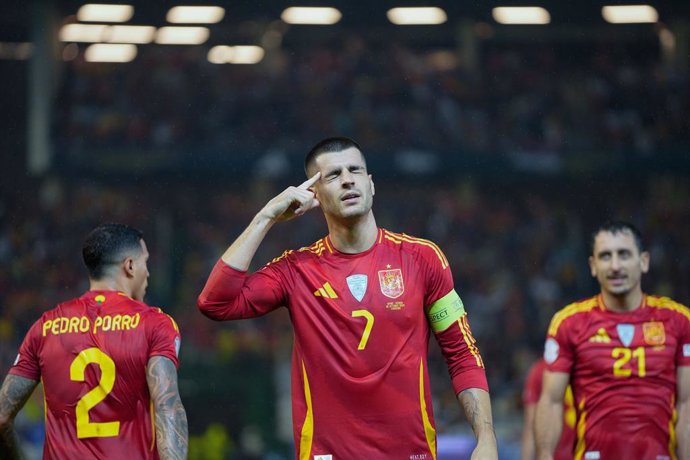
column 293, row 201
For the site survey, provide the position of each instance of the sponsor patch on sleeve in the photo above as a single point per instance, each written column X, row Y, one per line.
column 177, row 346
column 445, row 311
column 16, row 360
column 686, row 350
column 550, row 350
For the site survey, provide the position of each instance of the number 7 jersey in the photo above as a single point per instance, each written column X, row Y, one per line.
column 360, row 387
column 91, row 354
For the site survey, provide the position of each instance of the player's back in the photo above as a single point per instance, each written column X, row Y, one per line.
column 92, row 352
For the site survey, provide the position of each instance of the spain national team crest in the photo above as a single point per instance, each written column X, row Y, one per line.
column 391, row 282
column 654, row 333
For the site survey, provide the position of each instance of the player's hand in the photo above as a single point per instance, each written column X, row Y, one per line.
column 485, row 451
column 292, row 202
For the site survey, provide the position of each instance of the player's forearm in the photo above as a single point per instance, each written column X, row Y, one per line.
column 477, row 406
column 683, row 430
column 171, row 431
column 241, row 252
column 14, row 392
column 548, row 427
column 9, row 446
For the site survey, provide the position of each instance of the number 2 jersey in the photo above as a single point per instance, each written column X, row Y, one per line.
column 91, row 355
column 623, row 371
column 360, row 387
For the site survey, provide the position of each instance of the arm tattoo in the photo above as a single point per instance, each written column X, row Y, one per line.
column 477, row 416
column 14, row 393
column 170, row 416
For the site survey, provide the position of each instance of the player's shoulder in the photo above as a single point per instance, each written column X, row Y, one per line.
column 418, row 246
column 314, row 250
column 666, row 304
column 573, row 312
column 148, row 313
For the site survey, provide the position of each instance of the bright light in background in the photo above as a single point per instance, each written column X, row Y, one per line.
column 182, row 35
column 195, row 14
column 521, row 15
column 309, row 15
column 106, row 52
column 130, row 34
column 93, row 12
column 235, row 54
column 417, row 16
column 89, row 33
column 629, row 14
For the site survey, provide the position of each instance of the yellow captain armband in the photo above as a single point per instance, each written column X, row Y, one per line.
column 445, row 311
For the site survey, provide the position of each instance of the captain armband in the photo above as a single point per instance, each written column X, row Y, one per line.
column 445, row 311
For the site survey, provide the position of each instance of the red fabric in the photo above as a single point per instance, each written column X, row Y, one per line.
column 51, row 352
column 644, row 348
column 530, row 396
column 365, row 403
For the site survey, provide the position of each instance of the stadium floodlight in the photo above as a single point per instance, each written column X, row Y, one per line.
column 130, row 34
column 235, row 54
column 195, row 14
column 107, row 52
column 417, row 16
column 182, row 35
column 629, row 14
column 95, row 12
column 89, row 33
column 521, row 15
column 311, row 15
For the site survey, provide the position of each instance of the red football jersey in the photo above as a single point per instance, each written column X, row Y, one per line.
column 530, row 396
column 91, row 355
column 623, row 370
column 360, row 387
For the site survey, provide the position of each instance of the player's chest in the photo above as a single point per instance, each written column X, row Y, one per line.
column 630, row 348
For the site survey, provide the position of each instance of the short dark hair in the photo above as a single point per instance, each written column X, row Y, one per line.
column 618, row 226
column 329, row 145
column 107, row 245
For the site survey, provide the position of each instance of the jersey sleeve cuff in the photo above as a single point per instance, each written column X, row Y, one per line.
column 27, row 375
column 473, row 378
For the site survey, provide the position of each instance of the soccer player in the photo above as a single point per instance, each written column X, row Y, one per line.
column 108, row 364
column 626, row 355
column 530, row 397
column 362, row 301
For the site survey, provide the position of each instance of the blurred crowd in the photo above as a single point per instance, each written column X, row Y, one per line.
column 551, row 98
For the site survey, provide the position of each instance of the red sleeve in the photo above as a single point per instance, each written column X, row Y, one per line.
column 27, row 364
column 683, row 354
column 164, row 337
column 232, row 294
column 459, row 348
column 532, row 389
column 558, row 350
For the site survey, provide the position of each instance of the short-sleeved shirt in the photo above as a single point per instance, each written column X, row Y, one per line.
column 623, row 369
column 362, row 322
column 91, row 355
column 530, row 396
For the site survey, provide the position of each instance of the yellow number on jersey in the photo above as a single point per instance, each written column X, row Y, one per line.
column 623, row 356
column 367, row 328
column 85, row 428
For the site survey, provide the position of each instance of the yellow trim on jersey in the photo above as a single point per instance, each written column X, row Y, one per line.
column 445, row 311
column 570, row 310
column 469, row 340
column 668, row 304
column 177, row 329
column 580, row 445
column 429, row 430
column 328, row 245
column 153, row 425
column 398, row 238
column 307, row 436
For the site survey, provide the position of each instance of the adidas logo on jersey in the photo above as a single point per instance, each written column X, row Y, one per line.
column 600, row 337
column 326, row 291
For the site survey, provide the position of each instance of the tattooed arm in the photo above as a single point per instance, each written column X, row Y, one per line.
column 477, row 407
column 14, row 393
column 171, row 419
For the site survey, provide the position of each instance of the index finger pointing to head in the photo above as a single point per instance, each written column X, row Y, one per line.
column 311, row 181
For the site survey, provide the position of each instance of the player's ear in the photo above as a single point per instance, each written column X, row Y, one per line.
column 373, row 189
column 128, row 267
column 592, row 267
column 644, row 261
